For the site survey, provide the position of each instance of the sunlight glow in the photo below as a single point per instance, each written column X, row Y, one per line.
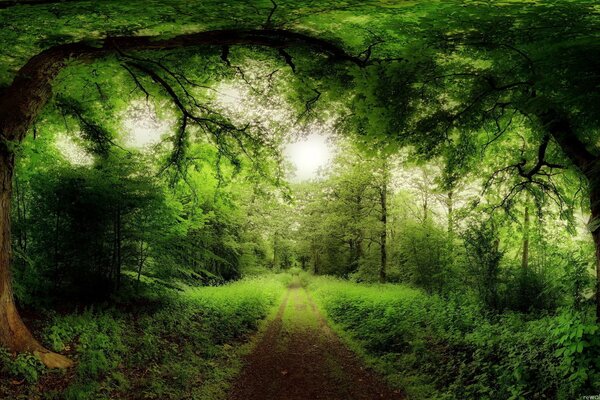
column 244, row 106
column 308, row 155
column 72, row 151
column 306, row 145
column 143, row 127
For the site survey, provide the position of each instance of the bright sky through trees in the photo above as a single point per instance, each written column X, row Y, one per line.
column 73, row 151
column 308, row 155
column 142, row 126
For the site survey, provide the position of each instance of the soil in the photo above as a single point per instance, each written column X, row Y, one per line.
column 298, row 357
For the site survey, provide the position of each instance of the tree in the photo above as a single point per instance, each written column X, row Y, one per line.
column 493, row 73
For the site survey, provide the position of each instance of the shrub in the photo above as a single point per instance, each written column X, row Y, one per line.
column 184, row 346
column 24, row 366
column 448, row 348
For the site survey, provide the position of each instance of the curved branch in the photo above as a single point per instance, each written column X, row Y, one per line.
column 31, row 89
column 269, row 23
column 541, row 162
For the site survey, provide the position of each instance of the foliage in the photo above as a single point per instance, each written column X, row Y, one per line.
column 459, row 352
column 157, row 342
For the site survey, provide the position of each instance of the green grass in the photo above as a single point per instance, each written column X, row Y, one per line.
column 437, row 348
column 298, row 314
column 162, row 345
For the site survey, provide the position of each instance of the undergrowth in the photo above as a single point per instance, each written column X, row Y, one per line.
column 448, row 348
column 151, row 344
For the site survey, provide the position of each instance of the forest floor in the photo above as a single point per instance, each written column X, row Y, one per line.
column 298, row 357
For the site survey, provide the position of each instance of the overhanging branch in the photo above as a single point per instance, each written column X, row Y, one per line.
column 31, row 89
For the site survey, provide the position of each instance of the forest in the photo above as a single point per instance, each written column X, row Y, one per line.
column 299, row 199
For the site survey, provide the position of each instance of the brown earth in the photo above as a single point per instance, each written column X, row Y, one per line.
column 300, row 358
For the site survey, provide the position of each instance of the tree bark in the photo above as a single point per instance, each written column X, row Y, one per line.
column 525, row 257
column 450, row 228
column 559, row 127
column 595, row 230
column 142, row 259
column 316, row 267
column 383, row 235
column 275, row 252
column 14, row 335
column 119, row 249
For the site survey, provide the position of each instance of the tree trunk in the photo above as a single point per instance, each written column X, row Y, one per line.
column 383, row 236
column 119, row 246
column 14, row 335
column 275, row 254
column 594, row 227
column 359, row 252
column 352, row 258
column 315, row 260
column 56, row 236
column 559, row 127
column 141, row 260
column 525, row 258
column 450, row 205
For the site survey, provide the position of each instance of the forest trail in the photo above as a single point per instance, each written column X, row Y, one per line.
column 300, row 358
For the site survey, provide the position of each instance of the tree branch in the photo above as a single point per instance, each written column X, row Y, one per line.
column 31, row 88
column 269, row 23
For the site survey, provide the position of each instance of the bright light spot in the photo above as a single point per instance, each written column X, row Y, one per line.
column 231, row 97
column 244, row 106
column 308, row 146
column 308, row 155
column 143, row 127
column 72, row 151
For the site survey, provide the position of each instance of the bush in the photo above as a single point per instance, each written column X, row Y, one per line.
column 185, row 345
column 24, row 367
column 448, row 348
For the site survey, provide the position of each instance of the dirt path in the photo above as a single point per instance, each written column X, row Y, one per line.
column 300, row 358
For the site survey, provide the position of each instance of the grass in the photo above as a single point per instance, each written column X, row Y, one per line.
column 157, row 345
column 440, row 348
column 167, row 344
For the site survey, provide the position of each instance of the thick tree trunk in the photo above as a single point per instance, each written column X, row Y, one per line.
column 14, row 335
column 594, row 226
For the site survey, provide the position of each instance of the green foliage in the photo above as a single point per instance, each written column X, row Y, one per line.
column 578, row 346
column 24, row 366
column 169, row 345
column 494, row 102
column 484, row 256
column 436, row 347
column 422, row 249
